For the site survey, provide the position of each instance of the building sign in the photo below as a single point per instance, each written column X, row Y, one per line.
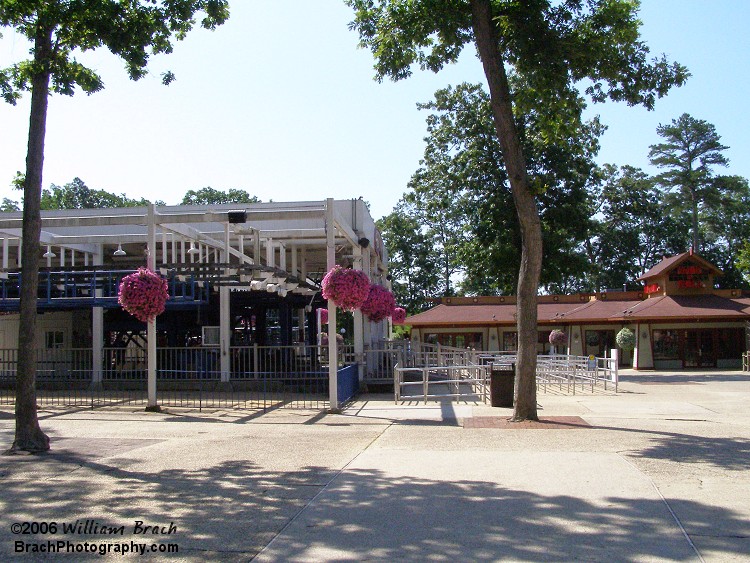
column 689, row 276
column 651, row 288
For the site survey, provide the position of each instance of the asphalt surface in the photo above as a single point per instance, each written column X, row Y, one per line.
column 659, row 471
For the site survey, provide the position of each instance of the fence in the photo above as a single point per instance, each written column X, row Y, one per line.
column 443, row 372
column 259, row 377
column 468, row 382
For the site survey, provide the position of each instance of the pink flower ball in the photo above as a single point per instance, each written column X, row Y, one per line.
column 380, row 303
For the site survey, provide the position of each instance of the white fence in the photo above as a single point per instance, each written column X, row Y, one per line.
column 444, row 372
column 467, row 382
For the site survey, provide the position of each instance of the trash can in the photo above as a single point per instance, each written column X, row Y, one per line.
column 502, row 382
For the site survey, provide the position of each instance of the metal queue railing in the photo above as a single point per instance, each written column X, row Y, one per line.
column 436, row 371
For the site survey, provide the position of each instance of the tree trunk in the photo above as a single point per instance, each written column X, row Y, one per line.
column 29, row 436
column 528, row 216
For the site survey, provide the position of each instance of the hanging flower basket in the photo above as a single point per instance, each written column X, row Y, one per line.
column 625, row 339
column 347, row 288
column 399, row 316
column 143, row 294
column 323, row 316
column 380, row 303
column 558, row 338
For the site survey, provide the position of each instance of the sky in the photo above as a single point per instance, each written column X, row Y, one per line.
column 282, row 103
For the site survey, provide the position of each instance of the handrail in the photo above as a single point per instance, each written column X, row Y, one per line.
column 469, row 381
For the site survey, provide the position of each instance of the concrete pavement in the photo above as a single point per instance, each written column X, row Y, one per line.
column 658, row 472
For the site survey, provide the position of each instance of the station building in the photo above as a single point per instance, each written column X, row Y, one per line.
column 239, row 275
column 680, row 320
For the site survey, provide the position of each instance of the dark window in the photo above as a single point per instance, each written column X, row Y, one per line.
column 666, row 345
column 510, row 341
column 729, row 343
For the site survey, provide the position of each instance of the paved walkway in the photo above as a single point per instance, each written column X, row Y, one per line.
column 658, row 472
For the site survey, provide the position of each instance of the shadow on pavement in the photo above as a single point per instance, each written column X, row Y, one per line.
column 236, row 508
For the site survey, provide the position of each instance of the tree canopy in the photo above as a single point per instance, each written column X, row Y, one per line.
column 58, row 30
column 208, row 195
column 553, row 47
column 690, row 150
column 77, row 195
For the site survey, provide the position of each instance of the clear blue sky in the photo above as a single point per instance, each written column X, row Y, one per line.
column 280, row 102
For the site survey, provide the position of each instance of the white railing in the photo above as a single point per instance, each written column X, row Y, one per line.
column 468, row 382
column 565, row 371
column 439, row 355
column 442, row 371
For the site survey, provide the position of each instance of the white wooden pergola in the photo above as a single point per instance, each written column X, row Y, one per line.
column 281, row 247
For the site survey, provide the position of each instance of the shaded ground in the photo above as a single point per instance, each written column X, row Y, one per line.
column 656, row 472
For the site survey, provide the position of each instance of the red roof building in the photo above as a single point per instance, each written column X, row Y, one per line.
column 679, row 319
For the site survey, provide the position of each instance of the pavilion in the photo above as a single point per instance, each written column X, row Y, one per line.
column 239, row 274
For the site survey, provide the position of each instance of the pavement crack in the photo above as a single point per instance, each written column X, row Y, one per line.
column 669, row 508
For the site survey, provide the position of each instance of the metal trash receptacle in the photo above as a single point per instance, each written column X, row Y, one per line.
column 502, row 383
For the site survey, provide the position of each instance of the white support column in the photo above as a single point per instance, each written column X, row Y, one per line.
column 97, row 330
column 5, row 258
column 256, row 247
column 359, row 334
column 164, row 247
column 225, row 333
column 270, row 254
column 225, row 321
column 282, row 257
column 333, row 392
column 367, row 325
column 295, row 268
column 151, row 328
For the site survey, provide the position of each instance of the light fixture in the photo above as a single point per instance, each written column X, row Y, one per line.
column 363, row 242
column 119, row 251
column 49, row 253
column 281, row 291
column 257, row 285
column 193, row 248
column 271, row 287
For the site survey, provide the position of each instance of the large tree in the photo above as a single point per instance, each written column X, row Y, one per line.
column 553, row 46
column 77, row 195
column 725, row 226
column 209, row 195
column 463, row 187
column 633, row 231
column 690, row 150
column 58, row 29
column 411, row 257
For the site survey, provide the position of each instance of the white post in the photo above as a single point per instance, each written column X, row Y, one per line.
column 615, row 362
column 359, row 334
column 225, row 333
column 5, row 258
column 333, row 392
column 97, row 329
column 367, row 269
column 151, row 329
column 225, row 328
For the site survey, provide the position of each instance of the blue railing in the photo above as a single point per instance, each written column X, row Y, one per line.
column 93, row 288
